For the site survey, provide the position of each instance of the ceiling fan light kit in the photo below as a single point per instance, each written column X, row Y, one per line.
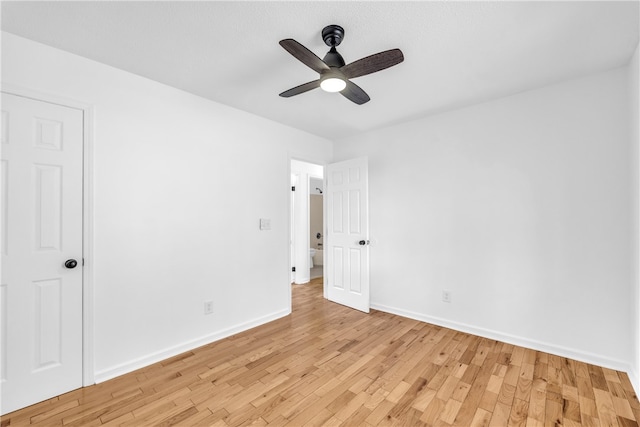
column 334, row 75
column 332, row 84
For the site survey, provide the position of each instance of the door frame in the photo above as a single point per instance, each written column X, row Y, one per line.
column 87, row 215
column 323, row 165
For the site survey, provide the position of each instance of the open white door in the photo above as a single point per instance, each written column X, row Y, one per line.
column 347, row 244
column 41, row 287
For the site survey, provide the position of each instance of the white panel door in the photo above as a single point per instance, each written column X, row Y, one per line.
column 40, row 297
column 348, row 233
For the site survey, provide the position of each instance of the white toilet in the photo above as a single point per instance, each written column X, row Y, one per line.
column 312, row 252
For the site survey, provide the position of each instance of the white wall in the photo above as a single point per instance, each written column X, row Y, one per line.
column 520, row 208
column 634, row 114
column 179, row 186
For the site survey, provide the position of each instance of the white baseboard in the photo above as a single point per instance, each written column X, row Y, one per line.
column 141, row 362
column 635, row 380
column 303, row 280
column 567, row 352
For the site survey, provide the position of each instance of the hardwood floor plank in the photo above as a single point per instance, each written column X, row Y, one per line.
column 450, row 411
column 488, row 401
column 622, row 408
column 625, row 422
column 537, row 403
column 597, row 378
column 355, row 405
column 604, row 405
column 481, row 418
column 500, row 415
column 433, row 411
column 518, row 415
column 379, row 413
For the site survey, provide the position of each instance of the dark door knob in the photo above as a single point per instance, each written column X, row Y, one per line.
column 363, row 242
column 71, row 263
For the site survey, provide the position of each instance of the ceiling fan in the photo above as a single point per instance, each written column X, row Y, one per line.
column 334, row 74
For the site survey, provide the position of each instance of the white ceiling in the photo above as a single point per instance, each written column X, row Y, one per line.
column 456, row 53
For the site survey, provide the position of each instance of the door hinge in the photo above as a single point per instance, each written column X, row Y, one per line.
column 293, row 188
column 293, row 269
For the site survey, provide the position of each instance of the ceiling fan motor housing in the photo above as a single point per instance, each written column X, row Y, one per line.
column 333, row 58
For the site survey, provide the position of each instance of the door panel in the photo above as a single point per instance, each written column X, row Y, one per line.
column 48, row 207
column 348, row 225
column 41, row 299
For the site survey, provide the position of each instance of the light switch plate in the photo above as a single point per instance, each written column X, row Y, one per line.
column 265, row 224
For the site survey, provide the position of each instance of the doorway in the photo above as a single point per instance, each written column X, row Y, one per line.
column 345, row 240
column 306, row 259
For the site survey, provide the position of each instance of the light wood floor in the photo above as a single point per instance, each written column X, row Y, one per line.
column 329, row 365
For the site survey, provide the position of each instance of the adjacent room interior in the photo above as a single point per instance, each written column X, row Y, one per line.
column 503, row 183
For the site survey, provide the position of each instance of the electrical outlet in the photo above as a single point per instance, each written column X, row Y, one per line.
column 208, row 307
column 446, row 296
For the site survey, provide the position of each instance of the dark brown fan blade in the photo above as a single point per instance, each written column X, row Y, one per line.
column 354, row 93
column 304, row 55
column 300, row 89
column 373, row 63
